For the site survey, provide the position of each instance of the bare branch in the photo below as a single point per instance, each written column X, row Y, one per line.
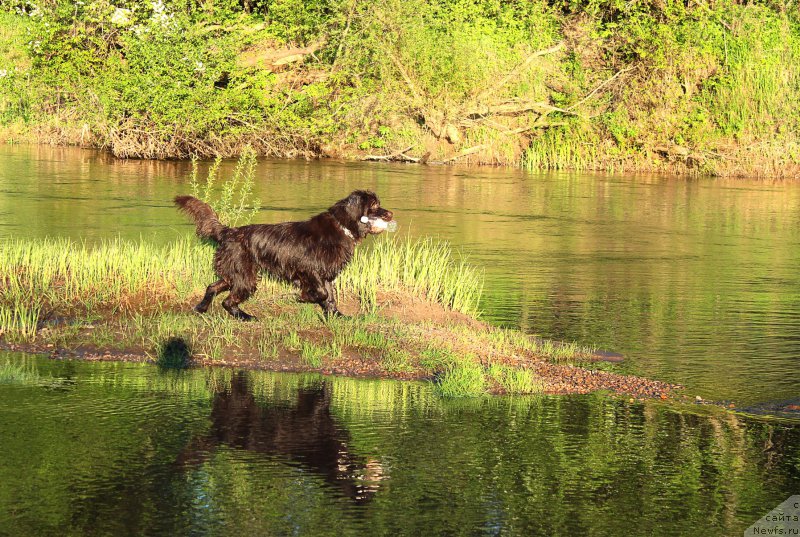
column 398, row 155
column 400, row 67
column 601, row 86
column 466, row 152
column 517, row 70
column 515, row 107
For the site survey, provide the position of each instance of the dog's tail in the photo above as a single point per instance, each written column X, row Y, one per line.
column 206, row 220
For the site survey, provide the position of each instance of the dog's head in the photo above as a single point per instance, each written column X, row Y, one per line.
column 361, row 203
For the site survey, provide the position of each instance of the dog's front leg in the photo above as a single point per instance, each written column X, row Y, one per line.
column 321, row 293
column 330, row 306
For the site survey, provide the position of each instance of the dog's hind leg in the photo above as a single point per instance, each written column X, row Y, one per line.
column 235, row 265
column 211, row 291
column 231, row 305
column 243, row 286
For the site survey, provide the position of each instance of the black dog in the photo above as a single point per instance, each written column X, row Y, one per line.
column 309, row 254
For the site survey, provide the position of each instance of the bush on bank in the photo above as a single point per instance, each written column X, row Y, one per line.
column 642, row 85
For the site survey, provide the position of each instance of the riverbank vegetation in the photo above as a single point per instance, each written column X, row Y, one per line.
column 590, row 84
column 123, row 297
column 131, row 300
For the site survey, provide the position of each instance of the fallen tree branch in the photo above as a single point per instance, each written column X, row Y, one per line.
column 515, row 108
column 274, row 58
column 398, row 156
column 502, row 129
column 466, row 152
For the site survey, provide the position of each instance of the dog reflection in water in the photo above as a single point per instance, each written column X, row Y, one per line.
column 305, row 434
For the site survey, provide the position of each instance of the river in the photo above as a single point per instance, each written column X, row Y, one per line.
column 694, row 281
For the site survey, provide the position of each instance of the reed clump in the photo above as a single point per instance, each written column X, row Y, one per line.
column 116, row 275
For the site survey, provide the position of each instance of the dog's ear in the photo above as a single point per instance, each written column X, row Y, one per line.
column 348, row 211
column 364, row 200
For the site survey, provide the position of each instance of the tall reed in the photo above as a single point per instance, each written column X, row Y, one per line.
column 424, row 267
column 65, row 275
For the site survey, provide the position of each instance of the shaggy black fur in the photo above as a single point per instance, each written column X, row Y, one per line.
column 309, row 254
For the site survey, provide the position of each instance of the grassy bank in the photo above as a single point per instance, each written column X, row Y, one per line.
column 413, row 307
column 706, row 88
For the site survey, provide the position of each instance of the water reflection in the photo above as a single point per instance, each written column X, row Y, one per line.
column 303, row 433
column 129, row 449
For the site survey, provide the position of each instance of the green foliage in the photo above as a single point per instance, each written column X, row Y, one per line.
column 761, row 68
column 301, row 21
column 162, row 71
column 14, row 92
column 451, row 50
column 234, row 204
column 166, row 78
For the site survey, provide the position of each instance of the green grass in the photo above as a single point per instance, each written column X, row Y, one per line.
column 396, row 360
column 465, row 379
column 112, row 274
column 516, row 381
column 424, row 267
column 267, row 346
column 435, row 359
column 292, row 341
column 311, row 353
column 360, row 336
column 19, row 320
column 573, row 147
column 137, row 297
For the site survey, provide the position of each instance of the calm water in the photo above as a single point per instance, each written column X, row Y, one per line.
column 694, row 281
column 124, row 449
